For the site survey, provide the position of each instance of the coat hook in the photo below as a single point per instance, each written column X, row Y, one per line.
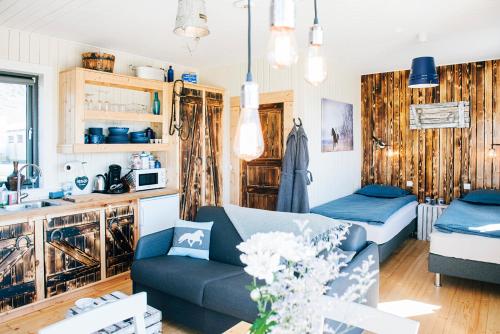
column 295, row 122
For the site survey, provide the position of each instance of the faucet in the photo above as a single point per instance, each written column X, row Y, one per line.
column 19, row 181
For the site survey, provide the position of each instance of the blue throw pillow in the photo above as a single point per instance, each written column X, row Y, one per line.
column 380, row 190
column 484, row 196
column 191, row 239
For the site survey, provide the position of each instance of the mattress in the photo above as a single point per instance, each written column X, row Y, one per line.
column 380, row 234
column 466, row 247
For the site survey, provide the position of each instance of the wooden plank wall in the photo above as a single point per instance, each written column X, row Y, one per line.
column 438, row 161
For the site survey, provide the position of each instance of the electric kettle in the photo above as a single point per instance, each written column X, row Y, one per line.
column 100, row 183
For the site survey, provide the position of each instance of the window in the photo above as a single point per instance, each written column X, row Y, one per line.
column 18, row 123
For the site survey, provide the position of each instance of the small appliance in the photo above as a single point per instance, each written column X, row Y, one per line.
column 114, row 175
column 146, row 179
column 99, row 184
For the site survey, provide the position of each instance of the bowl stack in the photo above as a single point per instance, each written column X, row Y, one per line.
column 117, row 135
column 139, row 137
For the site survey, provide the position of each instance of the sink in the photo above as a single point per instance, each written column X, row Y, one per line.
column 29, row 206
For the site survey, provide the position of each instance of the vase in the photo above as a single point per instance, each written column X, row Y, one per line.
column 12, row 179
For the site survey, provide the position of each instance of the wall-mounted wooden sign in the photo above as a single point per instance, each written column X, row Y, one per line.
column 439, row 115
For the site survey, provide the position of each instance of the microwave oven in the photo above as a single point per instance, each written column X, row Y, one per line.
column 146, row 179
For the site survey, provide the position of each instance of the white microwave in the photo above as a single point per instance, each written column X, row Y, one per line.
column 147, row 179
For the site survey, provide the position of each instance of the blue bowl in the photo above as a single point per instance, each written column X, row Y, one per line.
column 140, row 140
column 113, row 131
column 138, row 134
column 96, row 131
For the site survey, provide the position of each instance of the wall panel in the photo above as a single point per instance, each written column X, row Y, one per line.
column 438, row 161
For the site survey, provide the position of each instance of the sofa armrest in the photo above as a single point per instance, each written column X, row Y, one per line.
column 154, row 244
column 341, row 284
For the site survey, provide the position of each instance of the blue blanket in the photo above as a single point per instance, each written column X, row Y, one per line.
column 468, row 218
column 372, row 210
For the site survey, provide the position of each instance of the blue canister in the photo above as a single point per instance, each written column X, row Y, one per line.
column 170, row 74
column 157, row 164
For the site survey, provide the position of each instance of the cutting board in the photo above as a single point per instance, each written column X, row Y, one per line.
column 87, row 198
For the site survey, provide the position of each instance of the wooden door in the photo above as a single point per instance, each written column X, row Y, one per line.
column 260, row 178
column 120, row 239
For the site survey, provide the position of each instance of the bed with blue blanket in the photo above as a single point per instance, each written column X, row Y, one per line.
column 387, row 213
column 465, row 241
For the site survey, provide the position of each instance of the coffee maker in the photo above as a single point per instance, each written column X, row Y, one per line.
column 114, row 181
column 114, row 175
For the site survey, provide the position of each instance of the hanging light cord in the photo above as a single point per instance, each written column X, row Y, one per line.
column 249, row 43
column 316, row 21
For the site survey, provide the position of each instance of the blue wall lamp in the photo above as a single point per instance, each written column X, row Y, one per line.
column 423, row 73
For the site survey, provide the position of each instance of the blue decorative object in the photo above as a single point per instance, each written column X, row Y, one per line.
column 191, row 239
column 56, row 194
column 381, row 190
column 156, row 104
column 170, row 74
column 114, row 131
column 81, row 182
column 423, row 73
column 483, row 196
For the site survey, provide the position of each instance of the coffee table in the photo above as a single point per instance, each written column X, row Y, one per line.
column 239, row 328
column 152, row 317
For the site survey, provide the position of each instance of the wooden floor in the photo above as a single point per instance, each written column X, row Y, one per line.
column 460, row 306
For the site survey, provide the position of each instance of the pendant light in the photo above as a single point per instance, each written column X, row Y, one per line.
column 191, row 20
column 282, row 48
column 315, row 63
column 249, row 141
column 423, row 73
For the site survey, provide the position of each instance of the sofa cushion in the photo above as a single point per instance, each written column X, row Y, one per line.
column 180, row 276
column 224, row 237
column 191, row 239
column 230, row 296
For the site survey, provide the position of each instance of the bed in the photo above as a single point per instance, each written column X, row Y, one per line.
column 387, row 213
column 466, row 239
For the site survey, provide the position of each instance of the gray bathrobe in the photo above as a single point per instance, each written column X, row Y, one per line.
column 292, row 194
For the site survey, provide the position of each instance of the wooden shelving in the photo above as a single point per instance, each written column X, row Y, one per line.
column 95, row 115
column 112, row 148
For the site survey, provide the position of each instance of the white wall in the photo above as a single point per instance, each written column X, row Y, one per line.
column 47, row 56
column 335, row 174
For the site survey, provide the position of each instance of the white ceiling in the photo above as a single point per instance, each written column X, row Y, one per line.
column 368, row 35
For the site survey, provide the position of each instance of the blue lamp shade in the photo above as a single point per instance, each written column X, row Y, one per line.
column 423, row 73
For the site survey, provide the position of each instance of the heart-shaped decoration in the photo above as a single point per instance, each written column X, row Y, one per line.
column 81, row 182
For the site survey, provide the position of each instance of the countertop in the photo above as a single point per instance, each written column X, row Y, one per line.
column 82, row 202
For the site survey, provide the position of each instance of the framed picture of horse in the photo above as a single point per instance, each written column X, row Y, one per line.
column 336, row 126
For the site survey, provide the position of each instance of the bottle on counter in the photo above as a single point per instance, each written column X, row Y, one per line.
column 156, row 104
column 170, row 74
column 12, row 179
column 4, row 196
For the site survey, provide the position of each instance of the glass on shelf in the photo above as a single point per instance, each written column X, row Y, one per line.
column 89, row 101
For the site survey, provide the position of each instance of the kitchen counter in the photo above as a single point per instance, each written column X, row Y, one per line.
column 82, row 202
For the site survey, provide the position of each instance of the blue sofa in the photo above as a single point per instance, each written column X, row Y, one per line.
column 211, row 296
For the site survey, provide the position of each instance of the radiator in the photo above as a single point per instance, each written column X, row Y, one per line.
column 427, row 216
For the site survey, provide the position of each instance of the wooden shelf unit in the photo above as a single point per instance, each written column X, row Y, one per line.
column 112, row 148
column 97, row 115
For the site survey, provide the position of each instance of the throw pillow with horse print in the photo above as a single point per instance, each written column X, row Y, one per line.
column 191, row 239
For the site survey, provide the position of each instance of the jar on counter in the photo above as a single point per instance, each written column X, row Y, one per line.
column 144, row 160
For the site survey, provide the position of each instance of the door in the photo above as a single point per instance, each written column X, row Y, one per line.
column 260, row 178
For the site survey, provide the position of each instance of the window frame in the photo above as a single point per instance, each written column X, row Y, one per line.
column 32, row 121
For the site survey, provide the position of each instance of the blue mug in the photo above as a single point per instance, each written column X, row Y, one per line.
column 95, row 139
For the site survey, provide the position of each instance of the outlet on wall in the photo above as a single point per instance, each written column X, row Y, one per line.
column 409, row 184
column 466, row 186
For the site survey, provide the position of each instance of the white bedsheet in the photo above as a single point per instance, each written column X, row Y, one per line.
column 380, row 234
column 466, row 246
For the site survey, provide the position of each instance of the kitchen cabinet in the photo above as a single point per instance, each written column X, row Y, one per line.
column 72, row 251
column 17, row 266
column 158, row 213
column 120, row 238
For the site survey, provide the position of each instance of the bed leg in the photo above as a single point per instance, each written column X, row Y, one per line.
column 437, row 280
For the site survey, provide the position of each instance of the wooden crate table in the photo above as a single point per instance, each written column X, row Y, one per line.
column 152, row 318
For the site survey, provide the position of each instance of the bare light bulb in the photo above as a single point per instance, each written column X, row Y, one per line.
column 492, row 153
column 249, row 141
column 282, row 48
column 315, row 65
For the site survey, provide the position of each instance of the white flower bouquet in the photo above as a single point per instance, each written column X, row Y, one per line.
column 292, row 272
